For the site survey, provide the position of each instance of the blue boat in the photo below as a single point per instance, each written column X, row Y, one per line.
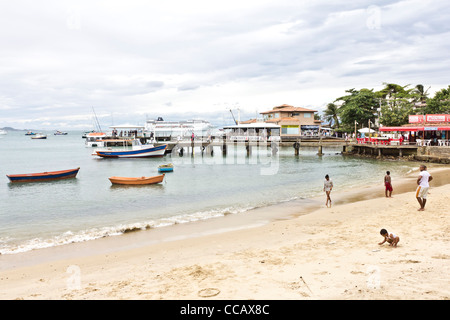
column 138, row 151
column 44, row 176
column 165, row 167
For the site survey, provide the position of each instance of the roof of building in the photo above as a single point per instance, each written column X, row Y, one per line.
column 248, row 121
column 288, row 108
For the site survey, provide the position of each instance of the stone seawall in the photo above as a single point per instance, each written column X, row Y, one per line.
column 433, row 154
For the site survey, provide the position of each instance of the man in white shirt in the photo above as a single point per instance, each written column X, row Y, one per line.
column 423, row 185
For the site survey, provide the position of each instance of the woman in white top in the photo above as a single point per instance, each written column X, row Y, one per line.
column 327, row 187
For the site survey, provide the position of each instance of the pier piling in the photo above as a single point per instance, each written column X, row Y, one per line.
column 297, row 148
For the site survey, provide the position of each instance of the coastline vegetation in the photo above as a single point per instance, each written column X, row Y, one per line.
column 391, row 106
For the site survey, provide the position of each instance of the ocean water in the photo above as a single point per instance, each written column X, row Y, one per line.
column 43, row 214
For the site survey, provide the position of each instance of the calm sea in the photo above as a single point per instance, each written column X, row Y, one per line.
column 44, row 214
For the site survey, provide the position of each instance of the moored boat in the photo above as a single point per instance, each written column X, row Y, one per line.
column 44, row 176
column 60, row 133
column 138, row 150
column 165, row 167
column 137, row 181
column 39, row 136
column 95, row 139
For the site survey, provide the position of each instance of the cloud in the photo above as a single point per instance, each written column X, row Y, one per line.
column 135, row 58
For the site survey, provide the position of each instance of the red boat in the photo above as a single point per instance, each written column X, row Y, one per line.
column 44, row 176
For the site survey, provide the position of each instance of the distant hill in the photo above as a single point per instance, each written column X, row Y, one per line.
column 13, row 129
column 9, row 129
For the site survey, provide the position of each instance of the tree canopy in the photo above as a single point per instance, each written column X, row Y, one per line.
column 359, row 106
column 391, row 106
column 440, row 103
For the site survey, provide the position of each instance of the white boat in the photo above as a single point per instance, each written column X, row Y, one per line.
column 39, row 136
column 60, row 133
column 95, row 139
column 3, row 131
column 137, row 150
column 178, row 130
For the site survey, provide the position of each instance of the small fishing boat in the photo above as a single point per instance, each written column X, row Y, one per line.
column 138, row 150
column 60, row 133
column 165, row 167
column 39, row 136
column 137, row 181
column 44, row 176
column 30, row 133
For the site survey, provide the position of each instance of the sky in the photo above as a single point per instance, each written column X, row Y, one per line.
column 129, row 61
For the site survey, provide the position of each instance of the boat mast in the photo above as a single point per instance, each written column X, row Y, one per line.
column 233, row 117
column 96, row 119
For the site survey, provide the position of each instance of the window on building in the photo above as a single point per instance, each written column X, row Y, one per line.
column 307, row 115
column 292, row 130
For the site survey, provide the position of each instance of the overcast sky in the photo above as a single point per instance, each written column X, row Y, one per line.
column 132, row 60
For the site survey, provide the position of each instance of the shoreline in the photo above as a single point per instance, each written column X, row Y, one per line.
column 199, row 245
column 254, row 217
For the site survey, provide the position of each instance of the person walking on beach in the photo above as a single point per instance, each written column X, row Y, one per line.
column 423, row 182
column 391, row 238
column 327, row 187
column 388, row 184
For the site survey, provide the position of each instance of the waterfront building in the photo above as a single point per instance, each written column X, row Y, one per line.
column 429, row 129
column 294, row 122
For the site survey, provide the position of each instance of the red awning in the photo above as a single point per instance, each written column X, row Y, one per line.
column 427, row 128
column 401, row 129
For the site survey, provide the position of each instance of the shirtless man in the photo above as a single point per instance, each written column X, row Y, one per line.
column 388, row 184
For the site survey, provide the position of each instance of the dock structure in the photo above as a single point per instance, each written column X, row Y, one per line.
column 437, row 154
column 207, row 147
column 384, row 150
column 413, row 152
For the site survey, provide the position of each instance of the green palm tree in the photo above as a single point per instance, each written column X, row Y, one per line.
column 331, row 114
column 421, row 93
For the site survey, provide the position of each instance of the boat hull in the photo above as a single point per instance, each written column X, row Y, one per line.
column 165, row 168
column 44, row 176
column 36, row 137
column 149, row 152
column 137, row 181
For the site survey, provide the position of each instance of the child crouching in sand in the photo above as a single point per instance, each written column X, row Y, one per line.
column 391, row 238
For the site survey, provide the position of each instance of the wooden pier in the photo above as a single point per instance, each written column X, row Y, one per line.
column 384, row 150
column 207, row 147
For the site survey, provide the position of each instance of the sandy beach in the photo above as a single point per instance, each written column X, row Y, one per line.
column 310, row 253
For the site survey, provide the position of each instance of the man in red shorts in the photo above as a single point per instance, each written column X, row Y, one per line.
column 388, row 185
